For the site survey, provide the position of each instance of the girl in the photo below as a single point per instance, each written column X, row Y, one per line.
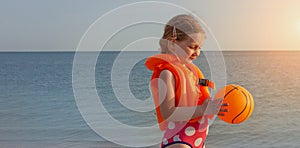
column 180, row 92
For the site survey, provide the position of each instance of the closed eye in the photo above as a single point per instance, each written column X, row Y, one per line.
column 195, row 47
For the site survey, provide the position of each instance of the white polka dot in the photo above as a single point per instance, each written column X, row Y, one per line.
column 207, row 130
column 176, row 138
column 190, row 131
column 198, row 141
column 204, row 146
column 171, row 125
column 165, row 141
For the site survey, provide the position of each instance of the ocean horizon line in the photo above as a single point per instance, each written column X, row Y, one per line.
column 69, row 51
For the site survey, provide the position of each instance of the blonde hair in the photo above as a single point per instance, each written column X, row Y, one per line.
column 179, row 28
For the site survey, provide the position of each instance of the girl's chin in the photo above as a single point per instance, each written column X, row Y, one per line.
column 189, row 60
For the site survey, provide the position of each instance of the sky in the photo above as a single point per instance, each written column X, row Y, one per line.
column 60, row 25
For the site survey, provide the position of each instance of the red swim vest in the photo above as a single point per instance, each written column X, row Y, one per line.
column 188, row 92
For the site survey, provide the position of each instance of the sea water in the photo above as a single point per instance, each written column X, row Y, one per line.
column 38, row 107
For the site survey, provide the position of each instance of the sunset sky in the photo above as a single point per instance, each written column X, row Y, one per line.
column 58, row 25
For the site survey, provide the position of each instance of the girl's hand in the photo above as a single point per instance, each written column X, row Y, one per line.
column 223, row 108
column 215, row 107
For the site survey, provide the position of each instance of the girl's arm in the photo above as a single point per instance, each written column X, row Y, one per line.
column 166, row 87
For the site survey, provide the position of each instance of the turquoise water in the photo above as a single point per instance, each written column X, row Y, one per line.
column 38, row 108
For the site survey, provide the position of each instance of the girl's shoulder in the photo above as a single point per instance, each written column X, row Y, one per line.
column 166, row 74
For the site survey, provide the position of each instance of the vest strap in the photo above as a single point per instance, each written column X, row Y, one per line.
column 206, row 82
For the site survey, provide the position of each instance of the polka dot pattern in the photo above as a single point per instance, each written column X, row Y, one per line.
column 198, row 141
column 190, row 131
column 176, row 138
column 207, row 130
column 171, row 125
column 165, row 141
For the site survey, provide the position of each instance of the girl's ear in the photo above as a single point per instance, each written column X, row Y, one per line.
column 173, row 39
column 171, row 44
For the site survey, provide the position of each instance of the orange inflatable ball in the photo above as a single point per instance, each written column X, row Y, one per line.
column 240, row 103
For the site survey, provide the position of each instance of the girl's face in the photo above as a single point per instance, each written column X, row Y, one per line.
column 189, row 49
